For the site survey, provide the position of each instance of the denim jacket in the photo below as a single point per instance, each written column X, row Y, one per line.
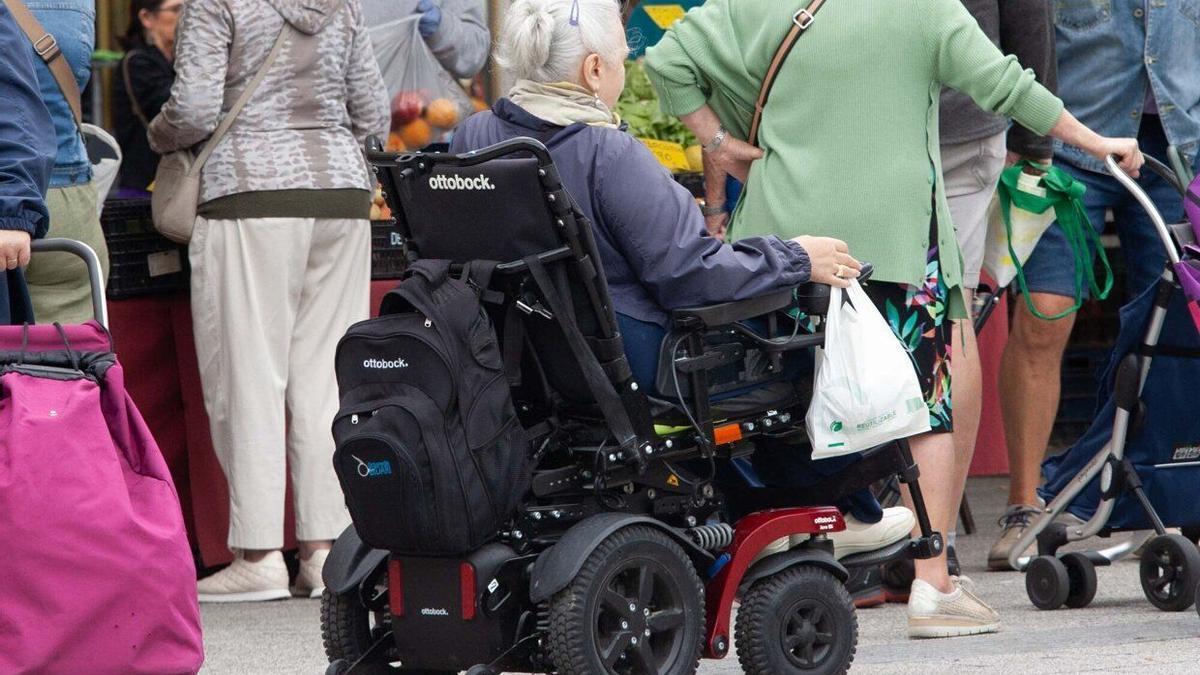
column 1111, row 51
column 73, row 25
column 26, row 136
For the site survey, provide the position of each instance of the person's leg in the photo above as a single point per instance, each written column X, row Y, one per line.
column 241, row 284
column 335, row 293
column 1030, row 383
column 971, row 172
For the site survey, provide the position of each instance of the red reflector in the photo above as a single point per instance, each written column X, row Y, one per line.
column 727, row 434
column 466, row 577
column 395, row 588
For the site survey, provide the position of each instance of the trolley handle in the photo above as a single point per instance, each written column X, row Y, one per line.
column 95, row 276
column 1160, row 225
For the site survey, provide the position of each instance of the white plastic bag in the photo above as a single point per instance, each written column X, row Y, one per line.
column 104, row 153
column 408, row 65
column 866, row 391
column 1027, row 229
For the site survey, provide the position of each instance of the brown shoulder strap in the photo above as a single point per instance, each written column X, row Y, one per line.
column 47, row 47
column 801, row 21
column 133, row 102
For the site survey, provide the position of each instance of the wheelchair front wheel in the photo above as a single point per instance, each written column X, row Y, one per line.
column 799, row 621
column 635, row 608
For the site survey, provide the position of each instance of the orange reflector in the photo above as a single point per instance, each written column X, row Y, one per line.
column 728, row 434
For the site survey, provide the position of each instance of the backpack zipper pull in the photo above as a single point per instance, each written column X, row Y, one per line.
column 429, row 323
column 354, row 419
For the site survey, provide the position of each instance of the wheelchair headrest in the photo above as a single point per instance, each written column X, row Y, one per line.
column 487, row 205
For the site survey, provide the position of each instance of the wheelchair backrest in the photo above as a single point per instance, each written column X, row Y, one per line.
column 503, row 204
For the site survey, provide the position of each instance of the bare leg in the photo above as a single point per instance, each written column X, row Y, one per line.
column 255, row 555
column 966, row 394
column 307, row 548
column 934, row 454
column 1030, row 387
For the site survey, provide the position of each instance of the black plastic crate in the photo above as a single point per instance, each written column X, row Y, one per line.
column 389, row 255
column 141, row 261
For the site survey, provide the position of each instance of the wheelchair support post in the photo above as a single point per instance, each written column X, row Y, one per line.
column 930, row 544
column 699, row 382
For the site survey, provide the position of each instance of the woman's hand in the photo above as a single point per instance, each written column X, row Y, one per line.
column 14, row 248
column 734, row 157
column 830, row 260
column 717, row 225
column 1125, row 149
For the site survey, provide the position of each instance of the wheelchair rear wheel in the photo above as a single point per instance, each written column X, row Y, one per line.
column 799, row 621
column 635, row 608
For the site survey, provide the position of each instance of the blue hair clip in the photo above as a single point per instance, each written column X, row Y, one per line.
column 574, row 16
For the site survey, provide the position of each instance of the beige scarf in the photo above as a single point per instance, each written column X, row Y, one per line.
column 562, row 104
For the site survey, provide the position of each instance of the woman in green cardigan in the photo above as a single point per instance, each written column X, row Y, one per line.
column 849, row 149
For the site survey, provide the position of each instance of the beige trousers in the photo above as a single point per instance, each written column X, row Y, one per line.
column 58, row 282
column 270, row 300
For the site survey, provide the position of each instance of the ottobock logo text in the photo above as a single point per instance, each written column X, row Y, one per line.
column 443, row 182
column 371, row 469
column 385, row 364
column 432, row 611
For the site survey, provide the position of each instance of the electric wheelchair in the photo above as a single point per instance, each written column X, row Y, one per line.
column 627, row 553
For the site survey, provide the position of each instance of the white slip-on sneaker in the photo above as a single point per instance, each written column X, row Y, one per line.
column 858, row 537
column 244, row 581
column 933, row 614
column 308, row 582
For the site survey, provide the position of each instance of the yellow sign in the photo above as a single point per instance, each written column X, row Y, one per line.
column 671, row 155
column 664, row 15
column 673, row 480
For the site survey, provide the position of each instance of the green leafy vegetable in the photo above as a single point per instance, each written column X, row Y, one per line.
column 638, row 106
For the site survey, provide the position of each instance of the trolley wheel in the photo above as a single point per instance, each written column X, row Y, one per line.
column 800, row 620
column 1047, row 582
column 1170, row 570
column 635, row 608
column 1081, row 573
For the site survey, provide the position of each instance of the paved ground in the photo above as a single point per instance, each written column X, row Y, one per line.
column 1119, row 632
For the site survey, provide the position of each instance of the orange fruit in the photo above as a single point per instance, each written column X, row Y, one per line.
column 416, row 134
column 441, row 113
column 480, row 104
column 395, row 143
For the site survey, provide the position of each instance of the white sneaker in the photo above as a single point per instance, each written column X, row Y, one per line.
column 244, row 581
column 858, row 537
column 308, row 582
column 933, row 614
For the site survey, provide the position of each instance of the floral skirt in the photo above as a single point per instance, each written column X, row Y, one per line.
column 918, row 316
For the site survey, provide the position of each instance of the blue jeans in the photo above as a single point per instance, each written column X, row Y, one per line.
column 1048, row 269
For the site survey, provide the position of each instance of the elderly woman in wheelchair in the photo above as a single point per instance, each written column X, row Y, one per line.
column 658, row 376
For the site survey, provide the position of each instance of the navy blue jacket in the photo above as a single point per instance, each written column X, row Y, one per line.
column 655, row 250
column 27, row 151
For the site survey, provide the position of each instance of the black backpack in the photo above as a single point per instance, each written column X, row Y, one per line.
column 430, row 454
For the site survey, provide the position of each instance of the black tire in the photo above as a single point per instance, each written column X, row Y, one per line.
column 348, row 629
column 636, row 581
column 1081, row 575
column 1170, row 571
column 1047, row 583
column 345, row 626
column 800, row 620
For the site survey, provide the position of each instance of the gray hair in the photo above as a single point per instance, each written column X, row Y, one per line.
column 547, row 40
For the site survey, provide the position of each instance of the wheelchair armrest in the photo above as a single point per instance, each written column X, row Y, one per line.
column 731, row 312
column 812, row 299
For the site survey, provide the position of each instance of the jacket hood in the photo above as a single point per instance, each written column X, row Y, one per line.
column 307, row 16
